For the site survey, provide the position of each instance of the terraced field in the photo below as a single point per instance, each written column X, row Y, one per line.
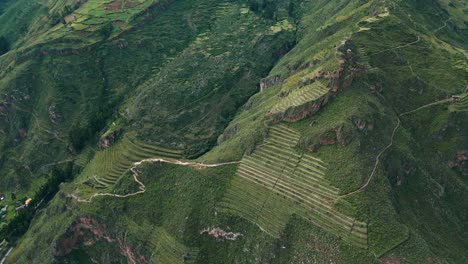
column 168, row 250
column 460, row 106
column 92, row 16
column 95, row 13
column 85, row 156
column 301, row 96
column 276, row 181
column 365, row 60
column 108, row 165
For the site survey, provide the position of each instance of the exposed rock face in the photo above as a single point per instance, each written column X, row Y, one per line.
column 77, row 234
column 86, row 231
column 107, row 141
column 299, row 113
column 268, row 82
column 219, row 233
column 342, row 77
column 324, row 141
column 460, row 161
column 362, row 125
column 330, row 137
column 53, row 115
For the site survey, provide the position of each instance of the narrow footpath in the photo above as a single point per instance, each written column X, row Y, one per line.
column 142, row 187
column 377, row 162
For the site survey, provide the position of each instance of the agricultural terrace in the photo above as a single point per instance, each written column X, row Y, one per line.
column 168, row 250
column 108, row 165
column 301, row 96
column 84, row 18
column 276, row 181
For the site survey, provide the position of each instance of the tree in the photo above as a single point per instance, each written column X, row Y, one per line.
column 106, row 30
column 20, row 224
column 4, row 45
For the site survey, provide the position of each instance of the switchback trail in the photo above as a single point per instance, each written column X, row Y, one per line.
column 142, row 187
column 376, row 165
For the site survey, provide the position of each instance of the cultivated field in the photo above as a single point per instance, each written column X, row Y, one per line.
column 276, row 181
column 110, row 164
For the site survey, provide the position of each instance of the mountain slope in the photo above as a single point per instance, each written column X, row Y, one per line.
column 340, row 130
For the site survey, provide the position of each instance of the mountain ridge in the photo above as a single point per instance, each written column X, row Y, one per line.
column 369, row 88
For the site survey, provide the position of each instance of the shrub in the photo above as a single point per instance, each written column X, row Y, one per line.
column 4, row 45
column 106, row 30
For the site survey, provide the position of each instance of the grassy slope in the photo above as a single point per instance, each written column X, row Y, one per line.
column 408, row 81
column 413, row 202
column 188, row 115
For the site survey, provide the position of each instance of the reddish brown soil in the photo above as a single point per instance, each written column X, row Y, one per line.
column 131, row 4
column 114, row 6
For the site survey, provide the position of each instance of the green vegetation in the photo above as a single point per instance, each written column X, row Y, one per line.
column 4, row 45
column 276, row 182
column 18, row 225
column 329, row 131
column 108, row 165
column 300, row 97
column 460, row 103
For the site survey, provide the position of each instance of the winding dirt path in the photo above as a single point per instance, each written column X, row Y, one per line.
column 377, row 158
column 444, row 101
column 397, row 47
column 442, row 27
column 376, row 165
column 142, row 187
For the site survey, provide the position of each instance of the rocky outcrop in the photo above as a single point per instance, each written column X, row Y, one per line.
column 295, row 114
column 220, row 234
column 362, row 125
column 342, row 77
column 54, row 116
column 330, row 137
column 270, row 81
column 86, row 231
column 107, row 141
column 460, row 161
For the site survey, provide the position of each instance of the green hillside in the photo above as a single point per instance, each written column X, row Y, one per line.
column 234, row 131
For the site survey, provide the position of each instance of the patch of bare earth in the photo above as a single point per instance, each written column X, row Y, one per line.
column 131, row 4
column 114, row 6
column 120, row 24
column 86, row 231
column 219, row 233
column 70, row 18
